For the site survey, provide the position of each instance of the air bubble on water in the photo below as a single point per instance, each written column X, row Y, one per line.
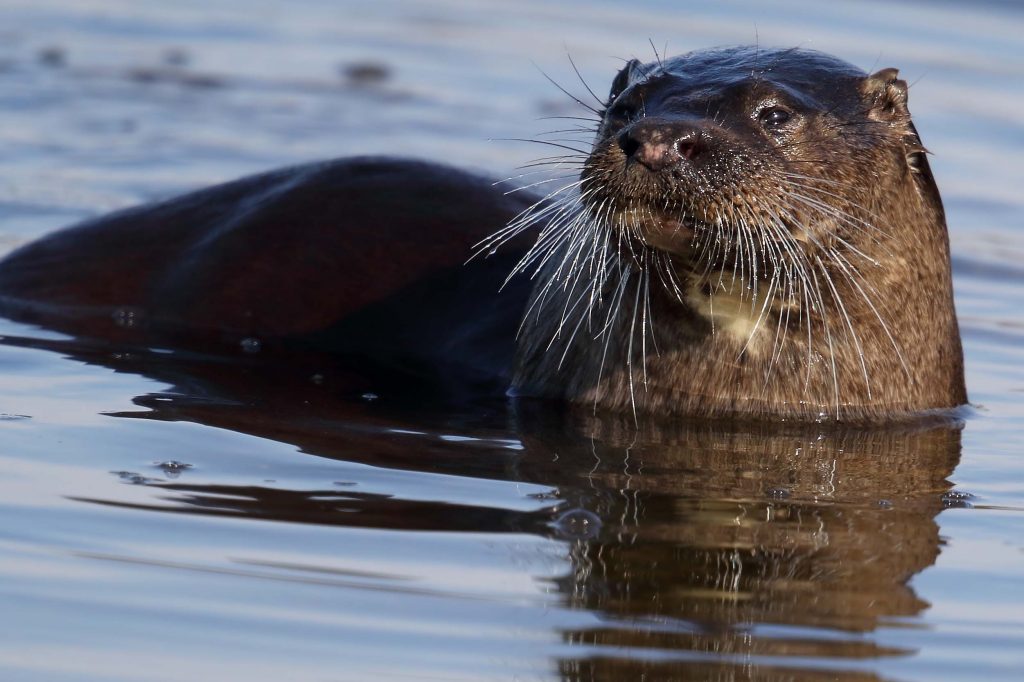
column 369, row 397
column 251, row 344
column 577, row 524
column 317, row 379
column 172, row 468
column 778, row 493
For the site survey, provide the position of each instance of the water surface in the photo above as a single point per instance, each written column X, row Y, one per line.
column 169, row 517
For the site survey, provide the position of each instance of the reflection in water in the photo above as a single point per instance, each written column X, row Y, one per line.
column 713, row 534
column 335, row 508
column 706, row 550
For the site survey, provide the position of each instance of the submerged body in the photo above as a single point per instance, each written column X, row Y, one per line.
column 754, row 233
column 364, row 258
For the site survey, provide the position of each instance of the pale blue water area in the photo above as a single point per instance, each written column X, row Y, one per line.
column 315, row 538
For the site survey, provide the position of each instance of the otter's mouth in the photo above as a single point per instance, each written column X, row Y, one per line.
column 669, row 231
column 696, row 245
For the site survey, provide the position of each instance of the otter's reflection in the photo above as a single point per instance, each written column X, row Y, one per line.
column 714, row 536
column 709, row 540
column 791, row 525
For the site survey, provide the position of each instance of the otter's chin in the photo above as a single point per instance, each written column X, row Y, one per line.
column 671, row 234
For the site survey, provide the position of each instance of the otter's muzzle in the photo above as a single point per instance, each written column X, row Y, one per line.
column 658, row 144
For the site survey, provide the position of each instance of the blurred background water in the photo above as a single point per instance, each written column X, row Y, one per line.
column 164, row 519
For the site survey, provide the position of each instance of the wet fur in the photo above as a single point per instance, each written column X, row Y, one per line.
column 833, row 234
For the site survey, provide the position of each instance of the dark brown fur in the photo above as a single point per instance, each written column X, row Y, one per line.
column 699, row 198
column 362, row 257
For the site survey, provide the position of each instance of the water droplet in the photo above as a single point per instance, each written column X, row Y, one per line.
column 317, row 379
column 251, row 344
column 577, row 524
column 369, row 397
column 884, row 504
column 777, row 493
column 957, row 498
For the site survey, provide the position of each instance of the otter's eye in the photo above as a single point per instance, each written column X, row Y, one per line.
column 773, row 116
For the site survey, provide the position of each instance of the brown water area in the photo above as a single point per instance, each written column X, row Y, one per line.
column 169, row 515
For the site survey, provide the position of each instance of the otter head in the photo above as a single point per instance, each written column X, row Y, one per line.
column 741, row 157
column 783, row 200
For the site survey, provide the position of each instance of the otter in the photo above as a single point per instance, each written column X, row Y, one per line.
column 754, row 233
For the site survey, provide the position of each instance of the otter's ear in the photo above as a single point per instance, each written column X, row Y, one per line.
column 886, row 96
column 623, row 78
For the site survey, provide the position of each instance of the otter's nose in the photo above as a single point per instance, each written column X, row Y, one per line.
column 659, row 144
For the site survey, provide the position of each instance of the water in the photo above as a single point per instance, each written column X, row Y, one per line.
column 166, row 517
